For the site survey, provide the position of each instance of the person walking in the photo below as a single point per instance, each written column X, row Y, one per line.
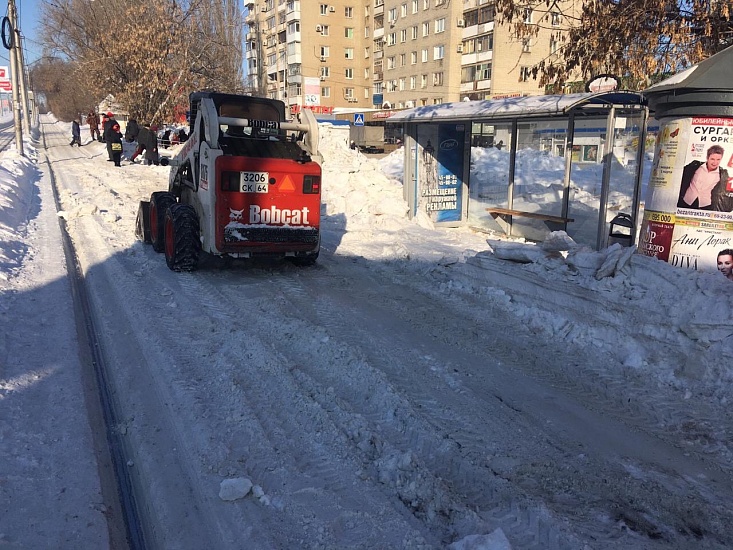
column 93, row 122
column 75, row 134
column 115, row 143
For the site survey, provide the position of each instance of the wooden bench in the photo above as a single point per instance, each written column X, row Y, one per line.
column 545, row 217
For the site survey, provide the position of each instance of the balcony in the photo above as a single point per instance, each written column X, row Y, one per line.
column 378, row 77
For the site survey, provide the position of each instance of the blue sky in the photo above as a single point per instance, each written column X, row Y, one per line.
column 30, row 21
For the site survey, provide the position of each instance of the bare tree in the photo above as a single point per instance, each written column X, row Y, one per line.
column 65, row 95
column 639, row 40
column 149, row 55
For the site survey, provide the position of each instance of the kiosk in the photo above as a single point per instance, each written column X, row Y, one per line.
column 688, row 217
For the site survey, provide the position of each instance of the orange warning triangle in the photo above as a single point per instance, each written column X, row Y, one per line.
column 287, row 184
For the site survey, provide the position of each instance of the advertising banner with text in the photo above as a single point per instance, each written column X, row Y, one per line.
column 688, row 214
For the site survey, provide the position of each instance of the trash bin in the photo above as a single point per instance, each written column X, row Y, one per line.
column 620, row 230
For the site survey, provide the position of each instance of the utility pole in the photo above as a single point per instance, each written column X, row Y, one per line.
column 23, row 81
column 15, row 76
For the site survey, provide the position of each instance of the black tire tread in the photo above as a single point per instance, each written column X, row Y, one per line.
column 160, row 201
column 186, row 241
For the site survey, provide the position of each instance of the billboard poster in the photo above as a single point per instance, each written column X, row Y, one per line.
column 312, row 91
column 441, row 172
column 688, row 217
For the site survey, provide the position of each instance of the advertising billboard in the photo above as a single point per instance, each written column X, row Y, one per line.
column 688, row 216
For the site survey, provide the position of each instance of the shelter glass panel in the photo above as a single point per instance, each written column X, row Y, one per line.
column 489, row 173
column 586, row 178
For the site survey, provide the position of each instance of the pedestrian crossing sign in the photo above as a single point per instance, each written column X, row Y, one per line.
column 358, row 119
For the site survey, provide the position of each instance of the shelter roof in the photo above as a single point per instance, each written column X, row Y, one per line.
column 516, row 107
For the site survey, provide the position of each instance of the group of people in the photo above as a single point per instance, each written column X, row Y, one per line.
column 170, row 138
column 145, row 135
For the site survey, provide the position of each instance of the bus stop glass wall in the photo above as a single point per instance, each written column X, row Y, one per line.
column 539, row 169
column 586, row 176
column 489, row 173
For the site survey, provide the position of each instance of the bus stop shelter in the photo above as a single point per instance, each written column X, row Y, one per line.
column 527, row 166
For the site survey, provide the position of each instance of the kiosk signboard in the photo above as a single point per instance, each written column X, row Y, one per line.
column 688, row 216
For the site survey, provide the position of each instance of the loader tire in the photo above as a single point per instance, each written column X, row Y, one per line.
column 305, row 261
column 182, row 240
column 159, row 203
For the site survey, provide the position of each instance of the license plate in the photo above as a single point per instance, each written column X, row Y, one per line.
column 254, row 182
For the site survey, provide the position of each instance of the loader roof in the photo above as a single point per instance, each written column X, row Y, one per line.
column 236, row 105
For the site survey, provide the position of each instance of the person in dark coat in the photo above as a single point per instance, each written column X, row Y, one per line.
column 75, row 134
column 115, row 143
column 147, row 141
column 131, row 130
column 107, row 129
column 165, row 141
column 151, row 145
column 93, row 122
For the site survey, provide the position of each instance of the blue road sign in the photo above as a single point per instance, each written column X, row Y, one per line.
column 358, row 119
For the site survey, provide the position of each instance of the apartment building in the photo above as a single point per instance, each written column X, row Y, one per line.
column 390, row 54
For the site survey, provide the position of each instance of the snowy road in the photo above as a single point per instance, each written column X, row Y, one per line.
column 369, row 407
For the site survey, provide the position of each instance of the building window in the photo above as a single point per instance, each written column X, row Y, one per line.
column 392, row 39
column 324, row 9
column 439, row 52
column 553, row 45
column 403, row 57
column 366, row 72
column 349, row 53
column 390, row 63
column 485, row 43
column 349, row 73
column 437, row 101
column 325, row 51
column 555, row 19
column 440, row 25
column 414, row 33
column 349, row 32
column 325, row 30
column 325, row 71
column 423, row 81
column 403, row 10
column 425, row 4
column 437, row 79
column 525, row 74
column 425, row 29
column 413, row 82
column 349, row 92
column 483, row 71
column 402, row 84
column 526, row 45
column 424, row 54
column 366, row 53
column 392, row 15
column 326, row 91
column 349, row 12
column 415, row 5
column 528, row 16
column 413, row 58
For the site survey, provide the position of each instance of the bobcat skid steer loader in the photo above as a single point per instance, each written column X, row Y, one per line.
column 246, row 184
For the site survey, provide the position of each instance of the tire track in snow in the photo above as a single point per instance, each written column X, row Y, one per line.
column 614, row 531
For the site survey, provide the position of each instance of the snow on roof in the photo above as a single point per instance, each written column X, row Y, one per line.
column 542, row 105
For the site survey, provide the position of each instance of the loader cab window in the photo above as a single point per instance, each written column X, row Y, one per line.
column 251, row 111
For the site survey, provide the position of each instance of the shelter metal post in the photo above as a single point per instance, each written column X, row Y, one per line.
column 639, row 172
column 512, row 159
column 607, row 158
column 569, row 136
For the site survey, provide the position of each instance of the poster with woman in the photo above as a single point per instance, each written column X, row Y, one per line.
column 688, row 216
